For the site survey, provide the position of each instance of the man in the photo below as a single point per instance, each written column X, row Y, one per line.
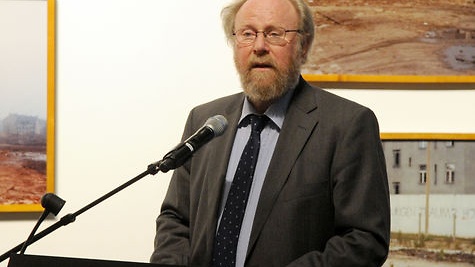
column 319, row 193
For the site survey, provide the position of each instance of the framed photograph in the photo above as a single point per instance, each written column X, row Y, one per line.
column 396, row 41
column 432, row 190
column 27, row 99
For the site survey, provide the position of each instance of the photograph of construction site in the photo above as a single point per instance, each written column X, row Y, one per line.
column 25, row 104
column 396, row 37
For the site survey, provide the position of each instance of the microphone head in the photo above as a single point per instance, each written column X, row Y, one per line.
column 52, row 203
column 218, row 124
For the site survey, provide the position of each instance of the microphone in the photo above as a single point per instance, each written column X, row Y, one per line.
column 52, row 204
column 213, row 127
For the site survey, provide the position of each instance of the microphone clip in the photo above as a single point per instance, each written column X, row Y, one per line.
column 154, row 168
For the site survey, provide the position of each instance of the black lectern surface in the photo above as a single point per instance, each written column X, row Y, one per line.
column 17, row 260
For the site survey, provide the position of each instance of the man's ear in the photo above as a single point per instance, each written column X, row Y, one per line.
column 305, row 51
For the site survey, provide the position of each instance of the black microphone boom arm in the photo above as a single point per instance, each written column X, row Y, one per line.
column 71, row 217
column 217, row 124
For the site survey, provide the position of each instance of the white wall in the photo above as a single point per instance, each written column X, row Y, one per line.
column 128, row 72
column 447, row 214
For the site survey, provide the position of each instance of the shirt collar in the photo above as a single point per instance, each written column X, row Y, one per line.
column 276, row 112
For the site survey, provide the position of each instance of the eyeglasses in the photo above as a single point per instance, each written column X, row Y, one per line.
column 274, row 36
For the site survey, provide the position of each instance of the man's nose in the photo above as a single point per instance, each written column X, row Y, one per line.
column 260, row 43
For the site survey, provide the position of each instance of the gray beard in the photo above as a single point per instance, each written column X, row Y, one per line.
column 267, row 87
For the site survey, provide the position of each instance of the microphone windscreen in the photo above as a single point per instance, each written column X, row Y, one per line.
column 218, row 124
column 52, row 203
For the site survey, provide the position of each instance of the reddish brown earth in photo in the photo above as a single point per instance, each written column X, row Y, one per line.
column 22, row 174
column 428, row 251
column 398, row 37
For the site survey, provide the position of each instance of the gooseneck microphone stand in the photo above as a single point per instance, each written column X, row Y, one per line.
column 152, row 169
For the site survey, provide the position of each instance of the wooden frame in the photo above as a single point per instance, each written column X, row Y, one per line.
column 35, row 206
column 398, row 79
column 400, row 42
column 428, row 136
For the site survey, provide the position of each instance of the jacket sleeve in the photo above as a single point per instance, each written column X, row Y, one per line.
column 360, row 197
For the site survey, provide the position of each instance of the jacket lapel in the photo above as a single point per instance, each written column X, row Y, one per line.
column 300, row 121
column 220, row 158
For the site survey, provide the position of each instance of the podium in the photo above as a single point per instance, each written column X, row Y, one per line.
column 17, row 260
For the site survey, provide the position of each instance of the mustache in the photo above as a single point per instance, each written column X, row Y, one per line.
column 261, row 63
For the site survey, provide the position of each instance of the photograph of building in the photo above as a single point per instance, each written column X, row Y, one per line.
column 445, row 167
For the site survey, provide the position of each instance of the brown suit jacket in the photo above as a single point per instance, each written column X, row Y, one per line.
column 324, row 202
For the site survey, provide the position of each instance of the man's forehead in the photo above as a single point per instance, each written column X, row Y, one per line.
column 267, row 13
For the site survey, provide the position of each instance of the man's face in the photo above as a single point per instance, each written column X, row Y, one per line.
column 267, row 71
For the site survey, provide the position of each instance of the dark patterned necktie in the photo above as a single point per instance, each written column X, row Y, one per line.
column 225, row 245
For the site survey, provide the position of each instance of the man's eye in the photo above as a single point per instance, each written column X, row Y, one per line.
column 273, row 34
column 248, row 34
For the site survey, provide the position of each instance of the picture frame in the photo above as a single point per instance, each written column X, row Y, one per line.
column 398, row 42
column 31, row 152
column 405, row 136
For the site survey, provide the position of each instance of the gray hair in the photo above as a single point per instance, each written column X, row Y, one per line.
column 306, row 24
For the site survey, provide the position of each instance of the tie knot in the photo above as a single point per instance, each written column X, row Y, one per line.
column 258, row 122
